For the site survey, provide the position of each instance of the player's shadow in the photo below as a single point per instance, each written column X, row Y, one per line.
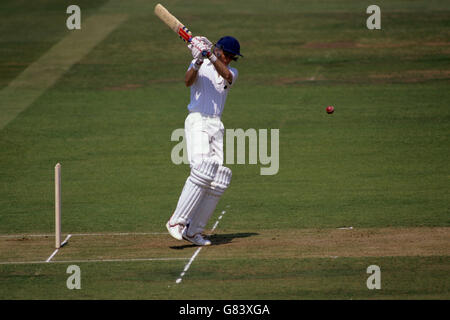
column 219, row 239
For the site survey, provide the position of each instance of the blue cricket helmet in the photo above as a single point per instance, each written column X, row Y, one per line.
column 229, row 44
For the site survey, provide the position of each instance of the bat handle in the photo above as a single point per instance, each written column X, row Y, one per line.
column 185, row 34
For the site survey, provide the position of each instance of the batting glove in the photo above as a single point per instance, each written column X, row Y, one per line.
column 196, row 52
column 205, row 46
column 206, row 42
column 197, row 47
column 200, row 43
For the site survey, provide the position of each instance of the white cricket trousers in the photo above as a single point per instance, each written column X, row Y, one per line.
column 204, row 138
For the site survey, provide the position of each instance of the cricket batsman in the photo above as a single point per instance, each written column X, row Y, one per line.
column 210, row 78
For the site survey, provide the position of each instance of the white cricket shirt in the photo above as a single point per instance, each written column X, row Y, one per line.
column 209, row 91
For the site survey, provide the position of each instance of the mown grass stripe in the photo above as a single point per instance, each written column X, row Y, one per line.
column 45, row 72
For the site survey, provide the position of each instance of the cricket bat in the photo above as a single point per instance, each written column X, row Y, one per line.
column 173, row 23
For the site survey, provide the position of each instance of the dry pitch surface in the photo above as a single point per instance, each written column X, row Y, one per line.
column 261, row 244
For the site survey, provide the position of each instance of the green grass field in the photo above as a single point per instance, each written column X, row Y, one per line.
column 379, row 164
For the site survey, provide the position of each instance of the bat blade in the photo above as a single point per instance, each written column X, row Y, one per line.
column 172, row 22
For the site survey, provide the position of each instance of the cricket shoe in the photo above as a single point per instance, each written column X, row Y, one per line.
column 196, row 239
column 175, row 231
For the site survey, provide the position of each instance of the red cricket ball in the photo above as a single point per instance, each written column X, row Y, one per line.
column 330, row 109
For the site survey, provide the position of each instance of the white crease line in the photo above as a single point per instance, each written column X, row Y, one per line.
column 217, row 222
column 66, row 240
column 93, row 260
column 121, row 234
column 25, row 235
column 56, row 251
column 215, row 225
column 83, row 234
column 186, row 268
column 188, row 265
column 52, row 255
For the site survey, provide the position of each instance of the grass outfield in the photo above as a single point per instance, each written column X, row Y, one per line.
column 379, row 164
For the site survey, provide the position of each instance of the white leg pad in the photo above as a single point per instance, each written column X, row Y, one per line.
column 194, row 189
column 209, row 202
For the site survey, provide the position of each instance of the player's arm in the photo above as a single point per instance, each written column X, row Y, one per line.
column 192, row 73
column 190, row 77
column 222, row 69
